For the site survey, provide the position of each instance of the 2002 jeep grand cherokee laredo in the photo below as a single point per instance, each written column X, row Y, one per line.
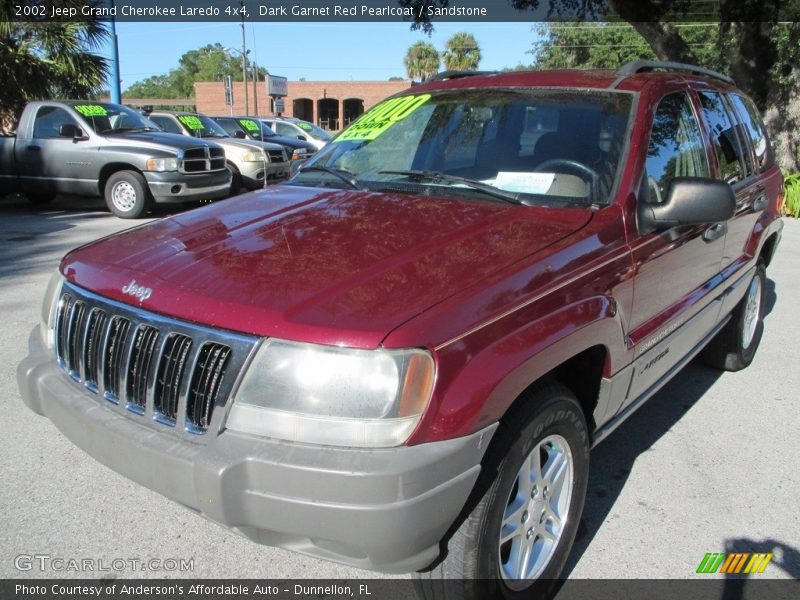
column 400, row 359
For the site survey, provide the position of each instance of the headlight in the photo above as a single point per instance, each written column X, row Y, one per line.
column 253, row 157
column 299, row 153
column 162, row 164
column 334, row 396
column 47, row 324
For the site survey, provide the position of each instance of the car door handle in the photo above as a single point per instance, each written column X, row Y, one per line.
column 34, row 148
column 716, row 231
column 760, row 202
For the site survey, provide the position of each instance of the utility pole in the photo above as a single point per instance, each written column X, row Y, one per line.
column 255, row 88
column 116, row 94
column 244, row 63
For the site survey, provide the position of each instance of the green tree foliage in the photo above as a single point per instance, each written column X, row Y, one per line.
column 421, row 61
column 461, row 52
column 757, row 42
column 41, row 60
column 212, row 62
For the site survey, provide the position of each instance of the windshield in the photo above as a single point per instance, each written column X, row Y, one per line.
column 105, row 118
column 256, row 129
column 318, row 133
column 201, row 126
column 529, row 146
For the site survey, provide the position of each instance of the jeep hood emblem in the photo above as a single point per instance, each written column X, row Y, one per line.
column 137, row 291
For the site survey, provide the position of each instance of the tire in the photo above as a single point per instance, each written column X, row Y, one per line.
column 40, row 199
column 734, row 348
column 237, row 187
column 127, row 195
column 502, row 518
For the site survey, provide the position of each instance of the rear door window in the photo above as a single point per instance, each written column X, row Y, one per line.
column 727, row 146
column 676, row 146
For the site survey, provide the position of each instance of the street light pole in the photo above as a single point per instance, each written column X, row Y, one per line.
column 244, row 63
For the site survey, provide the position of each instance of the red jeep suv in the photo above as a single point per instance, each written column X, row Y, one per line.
column 400, row 358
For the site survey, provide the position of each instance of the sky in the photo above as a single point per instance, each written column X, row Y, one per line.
column 314, row 51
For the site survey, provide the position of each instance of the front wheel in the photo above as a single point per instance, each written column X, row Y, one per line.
column 518, row 528
column 734, row 348
column 127, row 195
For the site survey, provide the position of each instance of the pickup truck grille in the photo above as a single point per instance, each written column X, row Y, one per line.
column 166, row 372
column 201, row 160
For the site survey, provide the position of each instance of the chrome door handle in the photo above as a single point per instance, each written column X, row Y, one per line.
column 716, row 231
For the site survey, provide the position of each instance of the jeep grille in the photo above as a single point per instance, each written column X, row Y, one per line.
column 165, row 371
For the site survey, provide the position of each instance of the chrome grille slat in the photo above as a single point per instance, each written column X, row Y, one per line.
column 114, row 356
column 168, row 374
column 93, row 346
column 138, row 369
column 206, row 380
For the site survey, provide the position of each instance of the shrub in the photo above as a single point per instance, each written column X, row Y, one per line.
column 791, row 204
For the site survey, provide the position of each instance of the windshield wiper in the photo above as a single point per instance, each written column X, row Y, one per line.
column 437, row 176
column 127, row 130
column 345, row 176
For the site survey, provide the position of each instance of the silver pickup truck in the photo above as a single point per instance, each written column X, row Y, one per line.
column 99, row 148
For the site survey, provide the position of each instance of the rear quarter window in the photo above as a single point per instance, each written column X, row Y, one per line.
column 754, row 128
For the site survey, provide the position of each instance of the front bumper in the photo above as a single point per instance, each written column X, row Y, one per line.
column 253, row 173
column 383, row 510
column 179, row 187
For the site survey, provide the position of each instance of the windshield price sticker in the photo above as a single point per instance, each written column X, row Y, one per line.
column 249, row 125
column 379, row 119
column 305, row 126
column 191, row 122
column 91, row 110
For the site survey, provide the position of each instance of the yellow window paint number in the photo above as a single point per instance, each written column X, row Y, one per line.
column 382, row 117
column 191, row 122
column 91, row 110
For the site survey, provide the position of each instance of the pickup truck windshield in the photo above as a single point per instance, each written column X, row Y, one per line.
column 105, row 118
column 528, row 146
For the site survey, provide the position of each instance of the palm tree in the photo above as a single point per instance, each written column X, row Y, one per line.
column 421, row 61
column 462, row 52
column 51, row 59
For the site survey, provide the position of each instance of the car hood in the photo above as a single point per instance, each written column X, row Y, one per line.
column 326, row 266
column 158, row 140
column 246, row 145
column 290, row 142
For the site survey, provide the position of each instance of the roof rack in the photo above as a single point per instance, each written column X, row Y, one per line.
column 445, row 75
column 640, row 66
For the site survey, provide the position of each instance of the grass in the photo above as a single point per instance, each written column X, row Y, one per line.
column 791, row 206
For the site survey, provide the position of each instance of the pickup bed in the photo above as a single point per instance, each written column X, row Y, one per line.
column 103, row 149
column 401, row 358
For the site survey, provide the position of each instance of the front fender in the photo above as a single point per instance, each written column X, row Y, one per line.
column 476, row 386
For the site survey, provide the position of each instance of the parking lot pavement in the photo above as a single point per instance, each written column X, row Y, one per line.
column 710, row 464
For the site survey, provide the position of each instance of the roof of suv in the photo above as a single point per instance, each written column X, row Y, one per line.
column 632, row 76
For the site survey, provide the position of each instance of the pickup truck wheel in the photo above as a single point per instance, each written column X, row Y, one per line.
column 735, row 346
column 515, row 535
column 127, row 195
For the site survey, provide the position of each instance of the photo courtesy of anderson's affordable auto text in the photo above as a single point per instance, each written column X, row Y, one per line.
column 399, row 299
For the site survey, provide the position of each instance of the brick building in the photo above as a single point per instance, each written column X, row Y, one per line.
column 330, row 104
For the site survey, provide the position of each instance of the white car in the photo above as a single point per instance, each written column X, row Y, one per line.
column 297, row 128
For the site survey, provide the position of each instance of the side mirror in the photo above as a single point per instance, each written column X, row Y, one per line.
column 689, row 201
column 239, row 134
column 70, row 130
column 302, row 137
